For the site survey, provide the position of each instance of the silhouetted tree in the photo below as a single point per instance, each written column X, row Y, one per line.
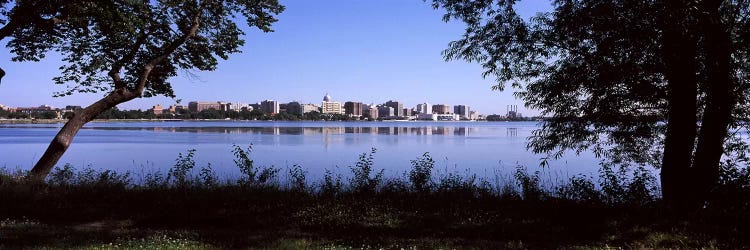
column 646, row 82
column 127, row 49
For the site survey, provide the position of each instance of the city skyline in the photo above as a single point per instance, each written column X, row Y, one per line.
column 377, row 53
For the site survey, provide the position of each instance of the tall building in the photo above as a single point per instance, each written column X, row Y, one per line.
column 441, row 109
column 330, row 107
column 424, row 108
column 269, row 107
column 373, row 112
column 407, row 112
column 397, row 106
column 386, row 111
column 353, row 108
column 463, row 111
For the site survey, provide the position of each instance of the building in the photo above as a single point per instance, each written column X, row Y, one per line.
column 373, row 112
column 424, row 108
column 270, row 107
column 200, row 106
column 176, row 108
column 462, row 111
column 157, row 109
column 43, row 110
column 441, row 109
column 397, row 106
column 330, row 107
column 438, row 117
column 238, row 106
column 307, row 108
column 407, row 112
column 386, row 111
column 353, row 108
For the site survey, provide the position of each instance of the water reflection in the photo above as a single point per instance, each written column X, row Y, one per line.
column 392, row 130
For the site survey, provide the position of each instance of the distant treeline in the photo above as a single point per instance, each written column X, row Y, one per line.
column 115, row 113
column 21, row 115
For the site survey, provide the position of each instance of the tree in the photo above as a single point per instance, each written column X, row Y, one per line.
column 126, row 49
column 637, row 82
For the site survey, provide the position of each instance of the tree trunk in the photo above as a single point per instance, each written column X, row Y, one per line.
column 62, row 140
column 679, row 50
column 719, row 102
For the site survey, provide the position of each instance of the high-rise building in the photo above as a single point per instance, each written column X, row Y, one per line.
column 441, row 109
column 407, row 112
column 269, row 107
column 424, row 108
column 353, row 108
column 386, row 111
column 373, row 112
column 397, row 106
column 330, row 107
column 462, row 110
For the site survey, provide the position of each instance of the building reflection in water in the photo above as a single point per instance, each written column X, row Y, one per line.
column 392, row 130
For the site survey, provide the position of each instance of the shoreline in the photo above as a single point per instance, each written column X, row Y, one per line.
column 56, row 121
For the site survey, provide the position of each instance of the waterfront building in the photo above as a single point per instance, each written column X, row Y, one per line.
column 386, row 111
column 353, row 108
column 330, row 107
column 200, row 106
column 157, row 109
column 462, row 111
column 441, row 109
column 373, row 112
column 397, row 106
column 407, row 112
column 270, row 107
column 438, row 117
column 238, row 106
column 424, row 108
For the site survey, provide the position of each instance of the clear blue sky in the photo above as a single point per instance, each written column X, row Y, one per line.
column 369, row 51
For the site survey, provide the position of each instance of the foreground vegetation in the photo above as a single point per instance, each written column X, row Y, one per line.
column 266, row 207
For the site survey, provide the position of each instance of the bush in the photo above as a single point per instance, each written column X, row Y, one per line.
column 530, row 188
column 420, row 174
column 362, row 181
column 252, row 176
column 331, row 184
column 297, row 179
column 179, row 174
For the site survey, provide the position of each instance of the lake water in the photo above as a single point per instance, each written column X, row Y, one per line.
column 484, row 148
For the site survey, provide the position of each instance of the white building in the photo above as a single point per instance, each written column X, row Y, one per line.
column 424, row 108
column 330, row 107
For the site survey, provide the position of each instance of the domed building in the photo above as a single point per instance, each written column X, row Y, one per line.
column 330, row 107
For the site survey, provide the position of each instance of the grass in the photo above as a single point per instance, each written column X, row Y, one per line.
column 91, row 209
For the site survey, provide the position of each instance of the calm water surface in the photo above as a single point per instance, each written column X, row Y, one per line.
column 478, row 147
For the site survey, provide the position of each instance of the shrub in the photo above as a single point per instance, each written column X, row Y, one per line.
column 208, row 176
column 179, row 174
column 252, row 176
column 530, row 188
column 297, row 178
column 62, row 176
column 420, row 174
column 362, row 181
column 331, row 184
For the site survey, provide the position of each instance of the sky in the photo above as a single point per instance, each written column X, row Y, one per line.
column 355, row 50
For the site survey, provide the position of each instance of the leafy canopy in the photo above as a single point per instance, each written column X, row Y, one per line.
column 594, row 66
column 105, row 45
